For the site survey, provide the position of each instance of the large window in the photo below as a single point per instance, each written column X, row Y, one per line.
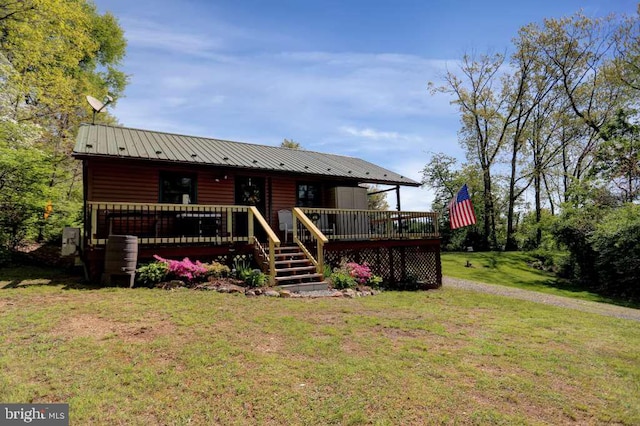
column 178, row 188
column 309, row 195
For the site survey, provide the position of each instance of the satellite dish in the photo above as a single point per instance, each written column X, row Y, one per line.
column 98, row 106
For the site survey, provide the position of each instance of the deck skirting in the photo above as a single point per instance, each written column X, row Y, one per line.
column 401, row 263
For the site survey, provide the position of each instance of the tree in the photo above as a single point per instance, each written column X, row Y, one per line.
column 290, row 143
column 445, row 178
column 627, row 58
column 618, row 159
column 488, row 112
column 440, row 175
column 23, row 182
column 376, row 200
column 52, row 54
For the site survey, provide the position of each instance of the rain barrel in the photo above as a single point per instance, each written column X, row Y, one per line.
column 121, row 256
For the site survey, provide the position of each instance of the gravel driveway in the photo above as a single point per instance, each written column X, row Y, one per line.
column 549, row 299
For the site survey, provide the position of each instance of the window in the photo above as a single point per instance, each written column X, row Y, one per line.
column 309, row 195
column 178, row 188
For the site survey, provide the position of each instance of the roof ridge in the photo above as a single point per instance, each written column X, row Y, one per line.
column 216, row 139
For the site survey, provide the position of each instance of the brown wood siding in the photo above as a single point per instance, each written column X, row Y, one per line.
column 213, row 188
column 119, row 181
column 283, row 196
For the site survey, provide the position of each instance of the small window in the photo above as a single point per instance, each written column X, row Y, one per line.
column 309, row 195
column 178, row 188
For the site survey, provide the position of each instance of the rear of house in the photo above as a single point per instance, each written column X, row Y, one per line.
column 185, row 196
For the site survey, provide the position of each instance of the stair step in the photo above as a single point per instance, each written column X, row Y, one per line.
column 282, row 262
column 296, row 269
column 286, row 248
column 312, row 286
column 292, row 254
column 298, row 277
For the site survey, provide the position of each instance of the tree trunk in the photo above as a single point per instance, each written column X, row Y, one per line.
column 489, row 237
column 511, row 244
column 536, row 185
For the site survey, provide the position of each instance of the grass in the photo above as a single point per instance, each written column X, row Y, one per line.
column 140, row 356
column 512, row 269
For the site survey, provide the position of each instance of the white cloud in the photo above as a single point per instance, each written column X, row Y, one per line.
column 148, row 34
column 375, row 106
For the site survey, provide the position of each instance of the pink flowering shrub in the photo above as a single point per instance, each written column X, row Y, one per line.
column 361, row 273
column 184, row 269
column 352, row 274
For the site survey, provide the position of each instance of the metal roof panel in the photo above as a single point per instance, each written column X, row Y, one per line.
column 123, row 142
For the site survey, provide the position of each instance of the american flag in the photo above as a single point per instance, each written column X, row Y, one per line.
column 461, row 210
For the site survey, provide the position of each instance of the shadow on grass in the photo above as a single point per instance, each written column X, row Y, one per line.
column 23, row 276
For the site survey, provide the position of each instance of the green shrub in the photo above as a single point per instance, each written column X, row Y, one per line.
column 616, row 242
column 217, row 270
column 153, row 273
column 255, row 278
column 341, row 279
column 375, row 281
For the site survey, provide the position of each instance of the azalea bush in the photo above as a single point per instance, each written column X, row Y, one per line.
column 184, row 269
column 361, row 273
column 352, row 274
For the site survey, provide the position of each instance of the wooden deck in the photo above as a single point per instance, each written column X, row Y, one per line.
column 399, row 246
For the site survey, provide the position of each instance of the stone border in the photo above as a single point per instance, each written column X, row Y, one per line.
column 227, row 286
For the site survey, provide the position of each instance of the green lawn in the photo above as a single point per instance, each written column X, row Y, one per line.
column 447, row 356
column 512, row 269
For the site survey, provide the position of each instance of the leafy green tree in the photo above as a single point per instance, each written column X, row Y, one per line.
column 615, row 240
column 24, row 189
column 290, row 143
column 445, row 178
column 489, row 109
column 627, row 58
column 376, row 200
column 618, row 158
column 52, row 54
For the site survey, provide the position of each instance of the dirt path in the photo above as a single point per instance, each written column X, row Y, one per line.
column 549, row 299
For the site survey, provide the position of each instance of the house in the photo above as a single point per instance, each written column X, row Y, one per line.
column 215, row 199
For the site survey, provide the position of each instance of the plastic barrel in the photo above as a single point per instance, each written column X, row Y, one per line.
column 121, row 255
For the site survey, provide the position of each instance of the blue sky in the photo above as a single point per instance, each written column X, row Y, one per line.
column 343, row 77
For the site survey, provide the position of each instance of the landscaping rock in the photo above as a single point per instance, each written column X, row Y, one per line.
column 285, row 293
column 350, row 293
column 232, row 288
column 173, row 284
column 272, row 293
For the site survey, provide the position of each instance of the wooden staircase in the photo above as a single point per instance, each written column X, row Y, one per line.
column 295, row 272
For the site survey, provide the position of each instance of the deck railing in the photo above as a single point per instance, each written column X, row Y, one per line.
column 349, row 224
column 272, row 238
column 169, row 223
column 307, row 235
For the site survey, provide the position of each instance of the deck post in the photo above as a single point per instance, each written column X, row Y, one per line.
column 250, row 226
column 320, row 265
column 230, row 223
column 94, row 225
column 294, row 231
column 272, row 263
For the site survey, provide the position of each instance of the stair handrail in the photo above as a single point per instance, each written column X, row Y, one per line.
column 298, row 215
column 274, row 241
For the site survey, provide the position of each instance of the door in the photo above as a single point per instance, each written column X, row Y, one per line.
column 250, row 191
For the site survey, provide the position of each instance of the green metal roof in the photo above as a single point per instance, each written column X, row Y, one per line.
column 122, row 142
